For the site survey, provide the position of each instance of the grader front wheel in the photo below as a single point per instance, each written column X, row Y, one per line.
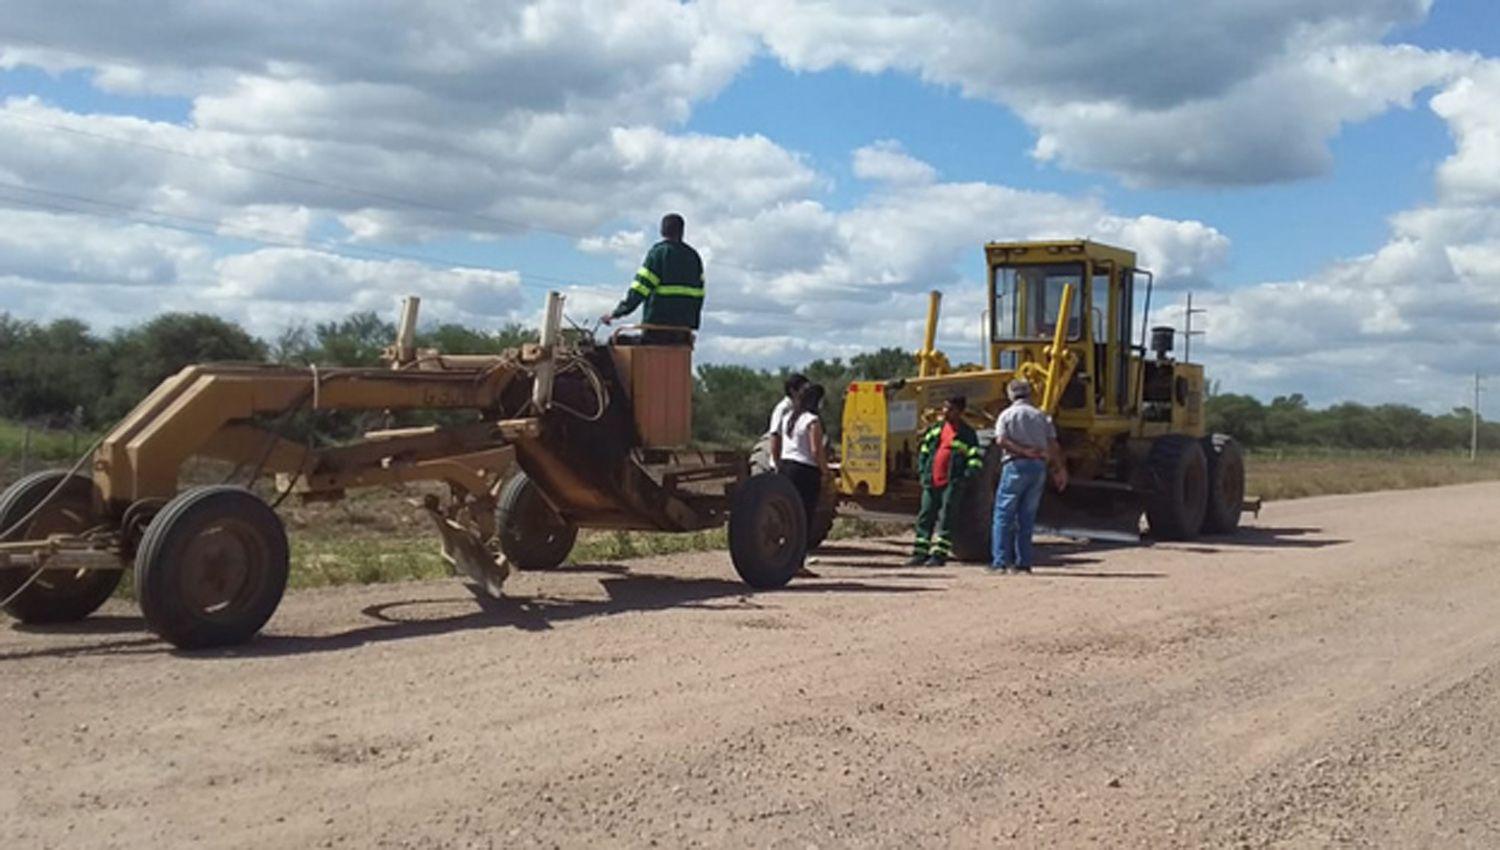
column 532, row 535
column 767, row 531
column 828, row 497
column 211, row 568
column 37, row 506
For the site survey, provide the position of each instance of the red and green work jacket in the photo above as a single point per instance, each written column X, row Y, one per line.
column 670, row 281
column 965, row 458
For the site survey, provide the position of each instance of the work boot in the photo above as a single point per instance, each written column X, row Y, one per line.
column 916, row 560
column 1020, row 570
column 937, row 561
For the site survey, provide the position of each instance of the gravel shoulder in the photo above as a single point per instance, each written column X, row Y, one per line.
column 1329, row 676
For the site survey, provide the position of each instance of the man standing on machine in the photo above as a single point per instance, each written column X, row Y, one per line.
column 670, row 282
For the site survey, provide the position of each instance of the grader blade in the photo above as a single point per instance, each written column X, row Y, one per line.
column 1092, row 510
column 466, row 554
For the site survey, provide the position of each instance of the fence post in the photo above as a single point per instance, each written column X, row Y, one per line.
column 26, row 451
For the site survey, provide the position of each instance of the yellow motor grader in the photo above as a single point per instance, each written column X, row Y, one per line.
column 558, row 435
column 1062, row 315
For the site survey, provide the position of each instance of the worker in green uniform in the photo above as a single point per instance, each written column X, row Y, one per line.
column 670, row 282
column 948, row 456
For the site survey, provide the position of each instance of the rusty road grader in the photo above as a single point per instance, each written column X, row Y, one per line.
column 549, row 438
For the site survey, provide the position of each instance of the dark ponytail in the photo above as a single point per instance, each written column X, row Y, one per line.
column 809, row 399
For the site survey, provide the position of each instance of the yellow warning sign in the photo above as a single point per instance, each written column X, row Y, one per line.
column 862, row 461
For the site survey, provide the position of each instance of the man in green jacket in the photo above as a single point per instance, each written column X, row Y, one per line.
column 948, row 456
column 670, row 282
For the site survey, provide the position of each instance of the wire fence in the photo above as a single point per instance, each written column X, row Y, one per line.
column 26, row 448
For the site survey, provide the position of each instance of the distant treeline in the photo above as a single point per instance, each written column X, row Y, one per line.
column 1288, row 422
column 61, row 374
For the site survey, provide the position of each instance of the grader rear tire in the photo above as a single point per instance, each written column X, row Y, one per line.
column 55, row 596
column 767, row 531
column 822, row 521
column 971, row 536
column 532, row 535
column 1226, row 484
column 211, row 568
column 1176, row 508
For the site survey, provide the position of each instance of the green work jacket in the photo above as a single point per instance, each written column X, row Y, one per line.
column 670, row 282
column 965, row 460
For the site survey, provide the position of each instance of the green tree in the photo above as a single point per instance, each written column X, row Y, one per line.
column 146, row 355
column 1240, row 416
column 732, row 404
column 883, row 364
column 457, row 339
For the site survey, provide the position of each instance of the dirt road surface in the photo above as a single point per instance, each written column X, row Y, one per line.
column 1332, row 676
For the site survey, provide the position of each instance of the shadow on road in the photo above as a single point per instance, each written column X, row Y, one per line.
column 870, row 549
column 623, row 594
column 105, row 624
column 1096, row 574
column 1264, row 537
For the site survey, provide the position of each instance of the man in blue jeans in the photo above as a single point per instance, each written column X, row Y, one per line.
column 1029, row 443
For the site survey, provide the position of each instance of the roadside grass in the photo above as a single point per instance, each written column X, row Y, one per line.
column 327, row 558
column 378, row 536
column 1275, row 476
column 48, row 447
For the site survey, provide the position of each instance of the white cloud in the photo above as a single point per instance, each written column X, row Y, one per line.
column 451, row 121
column 1472, row 109
column 800, row 279
column 1155, row 91
column 1409, row 321
column 887, row 162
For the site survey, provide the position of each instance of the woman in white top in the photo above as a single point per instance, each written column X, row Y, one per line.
column 793, row 385
column 800, row 454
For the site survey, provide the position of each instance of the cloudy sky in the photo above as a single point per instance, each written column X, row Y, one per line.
column 1323, row 175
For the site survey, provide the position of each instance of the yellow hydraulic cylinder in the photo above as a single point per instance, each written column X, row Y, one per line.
column 1059, row 359
column 925, row 357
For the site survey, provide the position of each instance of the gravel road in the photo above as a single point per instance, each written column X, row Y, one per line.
column 1330, row 676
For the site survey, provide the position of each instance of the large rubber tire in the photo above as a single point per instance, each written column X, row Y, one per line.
column 55, row 596
column 1179, row 497
column 1226, row 484
column 211, row 568
column 828, row 497
column 532, row 536
column 976, row 517
column 767, row 531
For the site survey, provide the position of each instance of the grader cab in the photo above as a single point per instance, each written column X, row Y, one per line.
column 548, row 438
column 1062, row 315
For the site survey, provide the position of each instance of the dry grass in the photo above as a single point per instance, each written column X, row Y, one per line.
column 379, row 536
column 1295, row 475
column 381, row 539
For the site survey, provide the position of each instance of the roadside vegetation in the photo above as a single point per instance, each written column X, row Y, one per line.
column 1296, row 474
column 68, row 383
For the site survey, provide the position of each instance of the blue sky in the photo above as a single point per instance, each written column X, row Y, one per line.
column 1280, row 232
column 1286, row 160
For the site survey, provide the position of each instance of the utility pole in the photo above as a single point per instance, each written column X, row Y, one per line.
column 1188, row 333
column 1474, row 422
